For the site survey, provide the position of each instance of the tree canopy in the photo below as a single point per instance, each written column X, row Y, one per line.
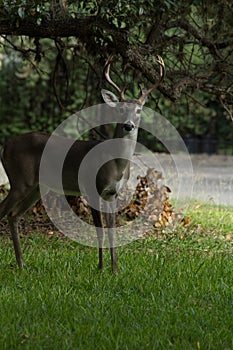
column 195, row 39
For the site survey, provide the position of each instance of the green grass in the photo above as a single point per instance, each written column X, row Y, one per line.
column 175, row 292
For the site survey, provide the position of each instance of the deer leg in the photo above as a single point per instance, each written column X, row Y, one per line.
column 9, row 202
column 13, row 224
column 13, row 217
column 110, row 222
column 98, row 222
column 7, row 206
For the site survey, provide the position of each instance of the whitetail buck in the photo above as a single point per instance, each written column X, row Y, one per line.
column 21, row 158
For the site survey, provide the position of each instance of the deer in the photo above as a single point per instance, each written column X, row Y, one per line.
column 22, row 154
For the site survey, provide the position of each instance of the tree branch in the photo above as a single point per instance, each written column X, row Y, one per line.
column 91, row 30
column 49, row 28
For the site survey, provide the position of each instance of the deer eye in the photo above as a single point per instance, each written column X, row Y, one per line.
column 138, row 111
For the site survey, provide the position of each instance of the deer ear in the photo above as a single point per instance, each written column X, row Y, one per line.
column 109, row 98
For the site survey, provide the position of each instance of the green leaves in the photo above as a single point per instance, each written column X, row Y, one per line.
column 21, row 12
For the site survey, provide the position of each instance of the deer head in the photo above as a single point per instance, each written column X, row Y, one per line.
column 131, row 108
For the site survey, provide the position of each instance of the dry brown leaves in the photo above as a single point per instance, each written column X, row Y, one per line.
column 149, row 201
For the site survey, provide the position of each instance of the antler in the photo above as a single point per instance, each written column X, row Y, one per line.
column 109, row 80
column 145, row 92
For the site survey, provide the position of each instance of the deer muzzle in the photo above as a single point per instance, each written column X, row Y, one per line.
column 129, row 126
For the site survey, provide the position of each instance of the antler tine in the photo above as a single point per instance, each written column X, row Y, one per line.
column 109, row 80
column 162, row 74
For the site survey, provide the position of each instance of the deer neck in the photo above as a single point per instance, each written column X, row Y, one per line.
column 127, row 144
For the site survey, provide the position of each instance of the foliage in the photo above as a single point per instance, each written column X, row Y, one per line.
column 30, row 89
column 64, row 44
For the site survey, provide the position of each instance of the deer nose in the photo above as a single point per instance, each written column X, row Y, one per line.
column 129, row 126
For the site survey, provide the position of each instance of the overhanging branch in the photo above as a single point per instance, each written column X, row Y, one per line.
column 93, row 30
column 49, row 28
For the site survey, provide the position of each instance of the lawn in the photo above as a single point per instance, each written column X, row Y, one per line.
column 174, row 291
